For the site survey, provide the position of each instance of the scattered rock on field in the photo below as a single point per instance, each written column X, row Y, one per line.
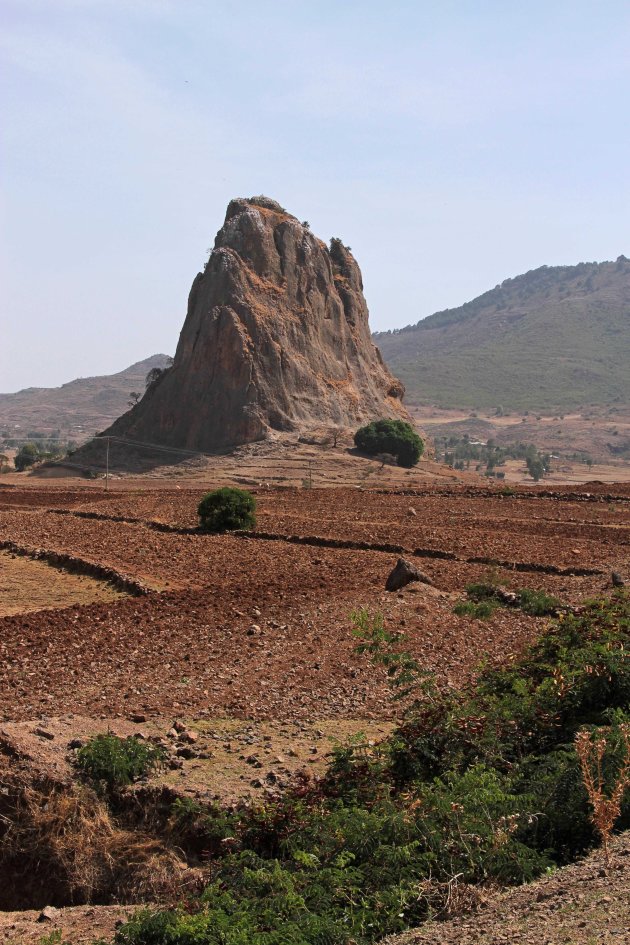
column 403, row 574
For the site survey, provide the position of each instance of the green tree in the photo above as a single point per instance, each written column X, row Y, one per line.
column 390, row 436
column 26, row 456
column 227, row 509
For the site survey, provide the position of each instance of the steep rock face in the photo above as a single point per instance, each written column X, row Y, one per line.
column 276, row 338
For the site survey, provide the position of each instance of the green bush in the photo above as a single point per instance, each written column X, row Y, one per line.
column 481, row 784
column 484, row 598
column 116, row 762
column 537, row 603
column 390, row 436
column 26, row 456
column 227, row 509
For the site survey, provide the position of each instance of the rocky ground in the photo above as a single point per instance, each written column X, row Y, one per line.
column 582, row 904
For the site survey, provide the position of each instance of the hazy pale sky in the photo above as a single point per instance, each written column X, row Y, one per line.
column 450, row 144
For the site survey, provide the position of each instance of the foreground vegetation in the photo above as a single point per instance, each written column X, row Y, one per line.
column 476, row 786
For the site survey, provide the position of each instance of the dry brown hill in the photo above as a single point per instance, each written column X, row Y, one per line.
column 84, row 405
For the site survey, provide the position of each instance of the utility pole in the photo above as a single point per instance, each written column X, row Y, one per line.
column 107, row 466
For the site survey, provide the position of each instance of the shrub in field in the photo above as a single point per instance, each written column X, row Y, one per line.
column 117, row 762
column 390, row 436
column 484, row 598
column 227, row 509
column 479, row 610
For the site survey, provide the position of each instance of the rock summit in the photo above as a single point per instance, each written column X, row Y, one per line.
column 276, row 339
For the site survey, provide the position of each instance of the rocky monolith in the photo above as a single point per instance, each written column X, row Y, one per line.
column 276, row 339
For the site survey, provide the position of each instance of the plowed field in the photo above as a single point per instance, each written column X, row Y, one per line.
column 258, row 626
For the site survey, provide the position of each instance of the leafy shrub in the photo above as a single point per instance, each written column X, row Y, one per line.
column 227, row 509
column 537, row 603
column 117, row 762
column 485, row 598
column 390, row 436
column 26, row 456
column 483, row 784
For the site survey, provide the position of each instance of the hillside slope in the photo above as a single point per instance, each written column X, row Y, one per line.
column 555, row 337
column 88, row 402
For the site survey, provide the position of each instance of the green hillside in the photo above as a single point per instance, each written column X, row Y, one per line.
column 554, row 337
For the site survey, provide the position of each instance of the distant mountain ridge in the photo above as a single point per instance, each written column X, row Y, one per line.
column 557, row 336
column 88, row 402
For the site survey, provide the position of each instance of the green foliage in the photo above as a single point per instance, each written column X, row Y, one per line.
column 459, row 452
column 478, row 610
column 390, row 436
column 26, row 456
column 537, row 603
column 483, row 600
column 116, row 762
column 482, row 784
column 227, row 509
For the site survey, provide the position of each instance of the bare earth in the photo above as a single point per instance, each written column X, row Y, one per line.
column 27, row 585
column 246, row 639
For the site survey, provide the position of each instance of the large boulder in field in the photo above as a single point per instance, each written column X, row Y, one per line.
column 276, row 339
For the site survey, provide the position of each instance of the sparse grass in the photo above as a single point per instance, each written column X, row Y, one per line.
column 478, row 610
column 485, row 598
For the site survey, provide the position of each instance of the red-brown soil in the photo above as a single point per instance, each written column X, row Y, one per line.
column 186, row 648
column 247, row 638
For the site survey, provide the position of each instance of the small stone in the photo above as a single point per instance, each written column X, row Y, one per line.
column 255, row 612
column 190, row 736
column 48, row 914
column 75, row 743
column 138, row 717
column 179, row 726
column 185, row 752
column 411, row 511
column 617, row 580
column 44, row 733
